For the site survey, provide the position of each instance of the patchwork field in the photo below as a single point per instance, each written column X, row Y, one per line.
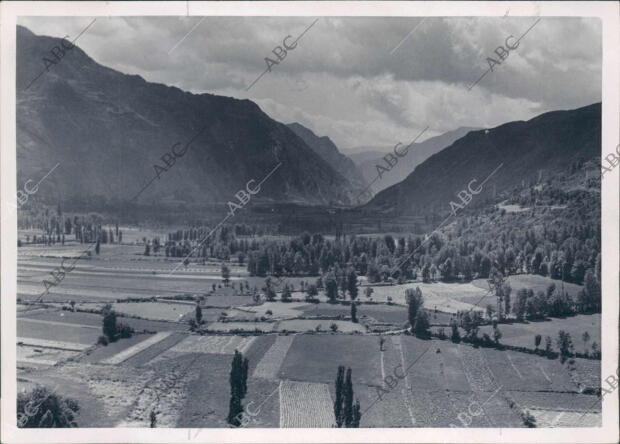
column 183, row 376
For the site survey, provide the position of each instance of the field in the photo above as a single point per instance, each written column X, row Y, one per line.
column 533, row 281
column 445, row 297
column 154, row 310
column 400, row 380
column 522, row 334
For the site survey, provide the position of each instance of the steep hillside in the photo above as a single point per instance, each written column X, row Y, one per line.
column 546, row 144
column 108, row 130
column 325, row 148
column 368, row 160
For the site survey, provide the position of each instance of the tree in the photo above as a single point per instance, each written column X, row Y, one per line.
column 415, row 301
column 347, row 413
column 565, row 344
column 490, row 311
column 353, row 312
column 238, row 388
column 331, row 287
column 270, row 294
column 502, row 291
column 548, row 345
column 585, row 337
column 422, row 324
column 153, row 419
column 311, row 292
column 497, row 335
column 42, row 408
column 225, row 274
column 537, row 340
column 198, row 315
column 338, row 403
column 98, row 247
column 110, row 329
column 286, row 294
column 520, row 306
column 352, row 283
column 147, row 249
column 368, row 292
column 455, row 335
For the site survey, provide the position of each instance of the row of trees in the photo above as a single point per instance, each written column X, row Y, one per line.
column 348, row 413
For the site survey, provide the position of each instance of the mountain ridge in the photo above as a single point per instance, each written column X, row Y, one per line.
column 548, row 142
column 108, row 129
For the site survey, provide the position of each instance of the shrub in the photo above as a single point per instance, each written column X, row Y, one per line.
column 528, row 419
column 441, row 333
column 334, row 327
column 42, row 408
column 102, row 340
column 269, row 312
column 456, row 335
column 125, row 331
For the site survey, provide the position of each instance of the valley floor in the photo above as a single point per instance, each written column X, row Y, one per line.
column 294, row 350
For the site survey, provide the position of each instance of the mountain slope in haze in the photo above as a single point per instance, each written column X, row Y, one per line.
column 107, row 130
column 325, row 148
column 367, row 161
column 517, row 151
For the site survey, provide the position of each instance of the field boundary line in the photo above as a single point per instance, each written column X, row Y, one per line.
column 513, row 366
column 543, row 371
column 279, row 401
column 58, row 345
column 406, row 390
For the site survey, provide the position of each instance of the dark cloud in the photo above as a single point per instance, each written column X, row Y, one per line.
column 345, row 78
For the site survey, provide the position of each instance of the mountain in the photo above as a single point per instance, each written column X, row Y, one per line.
column 368, row 158
column 325, row 148
column 518, row 151
column 109, row 130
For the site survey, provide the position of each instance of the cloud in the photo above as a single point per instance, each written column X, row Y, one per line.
column 346, row 80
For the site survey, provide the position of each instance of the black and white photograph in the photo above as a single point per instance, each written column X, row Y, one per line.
column 234, row 218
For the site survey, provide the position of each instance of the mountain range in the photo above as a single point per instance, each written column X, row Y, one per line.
column 369, row 158
column 504, row 157
column 112, row 136
column 108, row 132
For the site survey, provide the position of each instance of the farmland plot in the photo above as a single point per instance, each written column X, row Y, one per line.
column 569, row 402
column 27, row 354
column 270, row 364
column 302, row 325
column 476, row 369
column 522, row 334
column 159, row 311
column 137, row 348
column 244, row 326
column 225, row 345
column 441, row 296
column 556, row 418
column 32, row 329
column 305, row 404
column 315, row 358
column 165, row 393
column 522, row 371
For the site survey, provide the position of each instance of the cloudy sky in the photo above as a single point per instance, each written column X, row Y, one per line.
column 360, row 81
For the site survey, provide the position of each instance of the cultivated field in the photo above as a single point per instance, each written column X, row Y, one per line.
column 183, row 376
